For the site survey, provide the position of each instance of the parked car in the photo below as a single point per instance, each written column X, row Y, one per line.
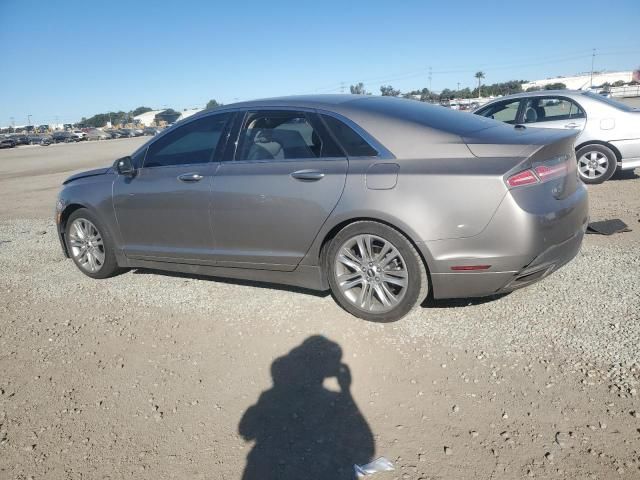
column 64, row 137
column 608, row 130
column 7, row 142
column 379, row 199
column 151, row 131
column 44, row 140
column 126, row 132
column 21, row 139
column 97, row 134
column 80, row 135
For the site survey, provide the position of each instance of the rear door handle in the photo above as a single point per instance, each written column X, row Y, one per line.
column 190, row 177
column 571, row 125
column 308, row 175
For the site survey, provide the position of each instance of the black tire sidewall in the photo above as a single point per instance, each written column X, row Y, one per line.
column 416, row 270
column 110, row 266
column 611, row 167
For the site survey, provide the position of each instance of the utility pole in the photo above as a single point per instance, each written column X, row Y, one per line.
column 341, row 87
column 593, row 58
column 430, row 99
column 29, row 119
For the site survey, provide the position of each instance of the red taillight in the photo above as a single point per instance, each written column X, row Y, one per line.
column 546, row 172
column 525, row 177
column 541, row 172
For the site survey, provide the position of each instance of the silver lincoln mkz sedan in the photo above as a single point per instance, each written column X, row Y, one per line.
column 381, row 200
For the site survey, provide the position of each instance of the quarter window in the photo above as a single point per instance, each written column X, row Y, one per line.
column 503, row 111
column 549, row 109
column 351, row 141
column 192, row 143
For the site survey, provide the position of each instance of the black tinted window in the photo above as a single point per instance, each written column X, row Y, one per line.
column 282, row 135
column 351, row 141
column 194, row 142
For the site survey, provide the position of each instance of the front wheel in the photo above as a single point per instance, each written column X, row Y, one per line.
column 596, row 163
column 375, row 273
column 90, row 246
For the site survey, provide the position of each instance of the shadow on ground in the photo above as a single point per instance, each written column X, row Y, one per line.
column 301, row 429
column 624, row 175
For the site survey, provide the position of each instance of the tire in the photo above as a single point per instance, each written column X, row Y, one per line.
column 359, row 283
column 103, row 258
column 596, row 163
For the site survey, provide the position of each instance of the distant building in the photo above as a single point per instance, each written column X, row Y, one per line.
column 187, row 112
column 583, row 81
column 148, row 118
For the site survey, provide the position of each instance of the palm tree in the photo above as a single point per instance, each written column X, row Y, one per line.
column 479, row 75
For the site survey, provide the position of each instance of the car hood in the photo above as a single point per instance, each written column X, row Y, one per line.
column 88, row 173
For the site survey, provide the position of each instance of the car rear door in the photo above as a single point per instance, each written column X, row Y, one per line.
column 163, row 211
column 283, row 177
column 553, row 112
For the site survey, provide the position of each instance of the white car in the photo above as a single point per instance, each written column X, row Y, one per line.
column 79, row 134
column 609, row 130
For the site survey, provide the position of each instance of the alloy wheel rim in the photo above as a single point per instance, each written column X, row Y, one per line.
column 371, row 273
column 593, row 164
column 87, row 246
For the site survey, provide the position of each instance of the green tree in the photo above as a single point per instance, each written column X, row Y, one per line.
column 140, row 111
column 619, row 83
column 388, row 91
column 479, row 75
column 358, row 89
column 213, row 104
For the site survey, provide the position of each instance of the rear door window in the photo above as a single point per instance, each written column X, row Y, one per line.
column 282, row 135
column 550, row 109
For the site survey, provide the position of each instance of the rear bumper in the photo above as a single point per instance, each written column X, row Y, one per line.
column 527, row 240
column 629, row 153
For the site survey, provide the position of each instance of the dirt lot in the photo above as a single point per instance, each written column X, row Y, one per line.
column 150, row 375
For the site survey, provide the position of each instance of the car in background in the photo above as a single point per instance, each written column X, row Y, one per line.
column 608, row 130
column 80, row 135
column 43, row 140
column 7, row 142
column 97, row 134
column 126, row 133
column 64, row 137
column 151, row 131
column 21, row 139
column 379, row 199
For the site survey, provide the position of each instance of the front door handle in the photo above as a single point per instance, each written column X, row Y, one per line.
column 308, row 175
column 571, row 125
column 190, row 177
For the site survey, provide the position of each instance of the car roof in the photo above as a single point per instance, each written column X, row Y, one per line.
column 539, row 93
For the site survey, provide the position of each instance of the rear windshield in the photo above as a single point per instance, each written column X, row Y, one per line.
column 434, row 116
column 610, row 101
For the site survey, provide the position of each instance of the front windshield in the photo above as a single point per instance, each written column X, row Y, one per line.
column 610, row 101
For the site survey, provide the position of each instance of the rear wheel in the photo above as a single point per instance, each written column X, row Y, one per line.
column 375, row 273
column 90, row 245
column 596, row 163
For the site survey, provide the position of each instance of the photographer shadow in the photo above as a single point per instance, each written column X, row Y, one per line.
column 302, row 429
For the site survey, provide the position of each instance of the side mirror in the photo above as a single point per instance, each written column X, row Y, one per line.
column 124, row 166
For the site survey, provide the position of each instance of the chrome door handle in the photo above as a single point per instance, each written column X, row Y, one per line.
column 571, row 125
column 308, row 175
column 190, row 177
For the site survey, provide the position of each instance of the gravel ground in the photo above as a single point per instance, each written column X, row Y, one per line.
column 150, row 375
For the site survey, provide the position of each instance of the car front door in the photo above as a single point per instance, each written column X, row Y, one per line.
column 163, row 211
column 553, row 112
column 284, row 176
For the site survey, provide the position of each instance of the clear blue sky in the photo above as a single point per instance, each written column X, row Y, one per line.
column 71, row 59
